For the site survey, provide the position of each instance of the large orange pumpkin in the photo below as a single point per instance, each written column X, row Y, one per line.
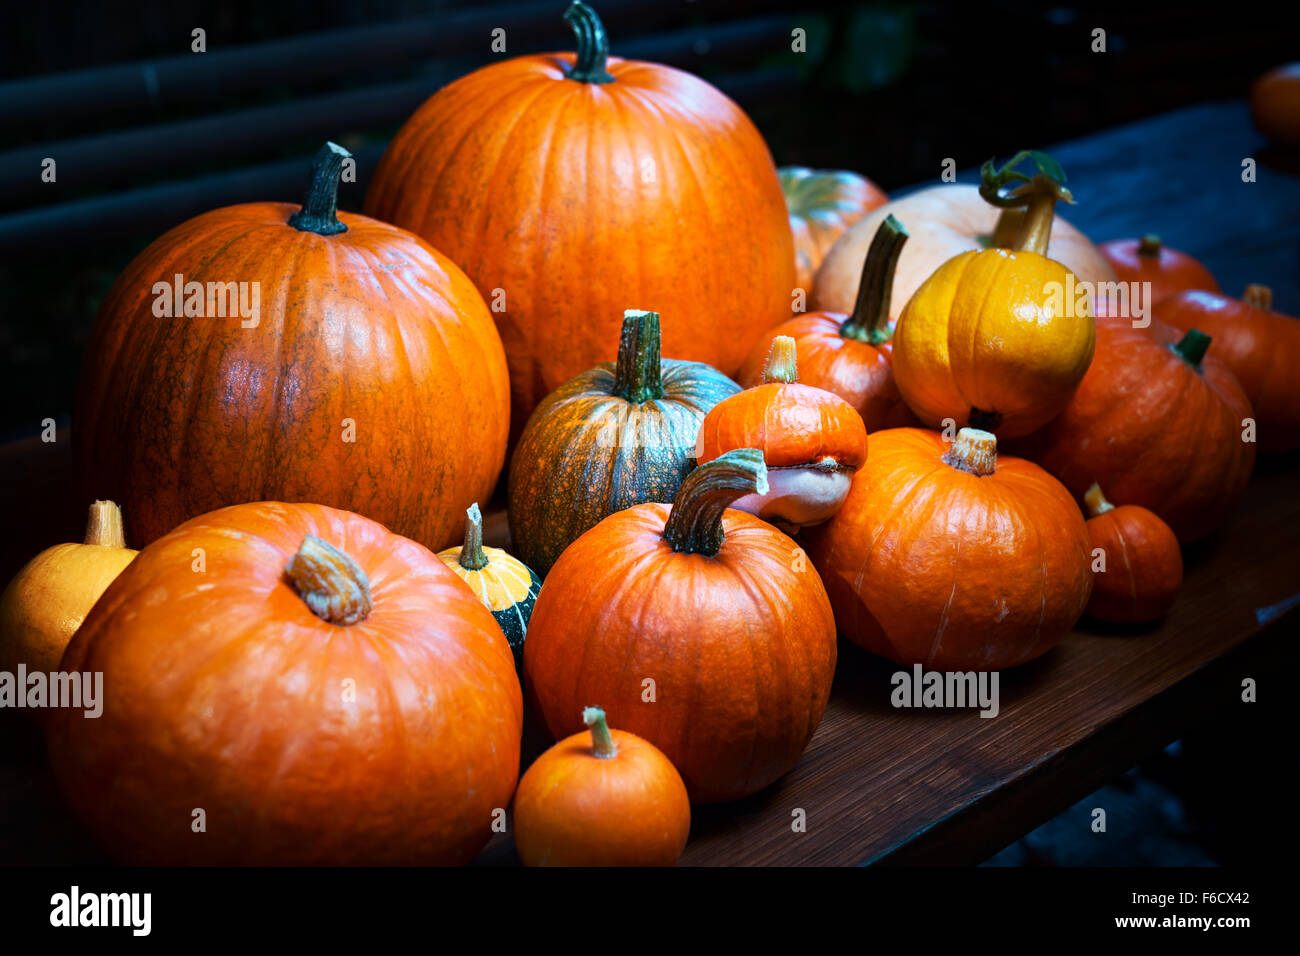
column 823, row 203
column 1157, row 422
column 290, row 684
column 1262, row 347
column 951, row 556
column 370, row 378
column 943, row 221
column 698, row 627
column 998, row 338
column 568, row 186
column 849, row 355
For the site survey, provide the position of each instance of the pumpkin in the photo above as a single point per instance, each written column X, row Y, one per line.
column 567, row 185
column 1260, row 346
column 1149, row 260
column 506, row 586
column 699, row 627
column 1156, row 422
column 951, row 556
column 998, row 338
column 823, row 203
column 944, row 221
column 812, row 441
column 604, row 798
column 369, row 378
column 48, row 599
column 849, row 355
column 324, row 691
column 1138, row 565
column 615, row 436
column 1275, row 104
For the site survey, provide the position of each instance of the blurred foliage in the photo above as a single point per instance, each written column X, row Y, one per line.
column 877, row 47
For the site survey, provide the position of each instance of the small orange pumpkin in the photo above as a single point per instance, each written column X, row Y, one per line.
column 953, row 557
column 48, row 599
column 849, row 355
column 1150, row 260
column 604, row 798
column 823, row 203
column 1275, row 104
column 1262, row 347
column 811, row 439
column 998, row 339
column 1143, row 566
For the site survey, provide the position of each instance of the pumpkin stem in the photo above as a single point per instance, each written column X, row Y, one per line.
column 1149, row 246
column 319, row 212
column 1038, row 194
column 104, row 526
column 781, row 365
column 636, row 375
column 1191, row 348
column 593, row 45
column 973, row 451
column 472, row 557
column 1258, row 296
column 1096, row 501
column 869, row 321
column 694, row 525
column 602, row 741
column 329, row 582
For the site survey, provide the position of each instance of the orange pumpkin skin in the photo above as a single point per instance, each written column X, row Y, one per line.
column 573, row 808
column 928, row 564
column 1149, row 260
column 740, row 646
column 178, row 416
column 1260, row 346
column 579, row 199
column 386, row 741
column 792, row 423
column 944, row 221
column 1275, row 104
column 823, row 204
column 1153, row 430
column 1144, row 566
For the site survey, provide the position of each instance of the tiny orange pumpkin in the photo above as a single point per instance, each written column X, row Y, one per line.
column 1137, row 565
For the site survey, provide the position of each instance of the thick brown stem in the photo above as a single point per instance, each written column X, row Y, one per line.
column 472, row 557
column 1259, row 296
column 694, row 525
column 782, row 366
column 973, row 451
column 104, row 526
column 330, row 583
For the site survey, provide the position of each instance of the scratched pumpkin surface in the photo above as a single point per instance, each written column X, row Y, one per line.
column 371, row 380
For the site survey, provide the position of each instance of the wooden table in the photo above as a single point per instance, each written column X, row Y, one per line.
column 880, row 784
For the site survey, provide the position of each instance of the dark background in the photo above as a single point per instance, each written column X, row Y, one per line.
column 889, row 90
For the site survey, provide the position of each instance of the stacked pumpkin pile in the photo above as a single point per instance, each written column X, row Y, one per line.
column 292, row 675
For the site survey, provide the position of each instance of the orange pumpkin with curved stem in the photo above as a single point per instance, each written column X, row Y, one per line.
column 998, row 339
column 1143, row 565
column 953, row 557
column 1157, row 422
column 812, row 441
column 708, row 609
column 823, row 203
column 1262, row 347
column 849, row 355
column 604, row 798
column 573, row 184
column 1149, row 260
column 370, row 378
column 325, row 690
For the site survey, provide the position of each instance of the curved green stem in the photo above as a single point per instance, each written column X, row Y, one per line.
column 472, row 557
column 319, row 212
column 637, row 372
column 694, row 525
column 1191, row 347
column 602, row 741
column 869, row 321
column 593, row 45
column 1038, row 194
